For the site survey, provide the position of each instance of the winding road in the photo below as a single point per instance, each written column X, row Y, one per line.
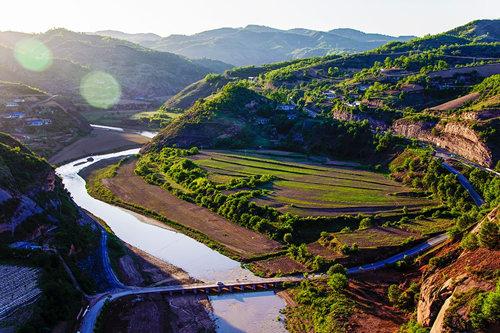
column 465, row 183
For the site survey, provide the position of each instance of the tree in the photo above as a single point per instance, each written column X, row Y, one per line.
column 488, row 235
column 337, row 269
column 393, row 293
column 338, row 281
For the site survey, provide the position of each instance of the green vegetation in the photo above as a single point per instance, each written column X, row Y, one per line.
column 59, row 302
column 404, row 299
column 483, row 306
column 322, row 307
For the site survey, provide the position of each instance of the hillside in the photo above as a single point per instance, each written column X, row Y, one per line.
column 253, row 45
column 480, row 30
column 393, row 87
column 44, row 235
column 43, row 122
column 140, row 72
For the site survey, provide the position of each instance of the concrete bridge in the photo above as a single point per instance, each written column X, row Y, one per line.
column 226, row 287
column 220, row 287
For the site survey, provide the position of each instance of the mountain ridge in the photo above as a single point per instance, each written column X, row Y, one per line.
column 256, row 44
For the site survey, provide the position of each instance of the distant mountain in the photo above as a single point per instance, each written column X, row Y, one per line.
column 134, row 38
column 139, row 71
column 254, row 45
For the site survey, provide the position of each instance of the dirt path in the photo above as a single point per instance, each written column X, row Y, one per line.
column 244, row 242
column 98, row 141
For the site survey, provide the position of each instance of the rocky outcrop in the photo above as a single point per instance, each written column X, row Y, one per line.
column 441, row 287
column 453, row 136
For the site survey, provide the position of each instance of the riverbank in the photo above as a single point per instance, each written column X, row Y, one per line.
column 99, row 141
column 122, row 187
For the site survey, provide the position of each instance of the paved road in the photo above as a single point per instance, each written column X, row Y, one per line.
column 440, row 152
column 398, row 257
column 465, row 183
column 108, row 270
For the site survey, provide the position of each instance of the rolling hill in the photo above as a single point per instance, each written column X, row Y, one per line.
column 139, row 71
column 253, row 45
column 399, row 80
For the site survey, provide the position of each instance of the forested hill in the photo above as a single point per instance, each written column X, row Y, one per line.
column 253, row 45
column 336, row 99
column 138, row 70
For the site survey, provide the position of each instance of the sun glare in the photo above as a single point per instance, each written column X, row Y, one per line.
column 33, row 55
column 100, row 90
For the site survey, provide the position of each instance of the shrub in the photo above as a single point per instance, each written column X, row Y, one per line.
column 488, row 235
column 469, row 242
column 365, row 223
column 403, row 299
column 338, row 281
column 413, row 327
column 287, row 238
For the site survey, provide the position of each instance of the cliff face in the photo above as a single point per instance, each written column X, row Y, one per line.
column 456, row 137
column 471, row 273
column 448, row 291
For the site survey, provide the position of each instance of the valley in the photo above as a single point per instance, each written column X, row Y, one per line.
column 348, row 185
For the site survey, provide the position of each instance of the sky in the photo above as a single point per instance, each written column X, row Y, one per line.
column 165, row 17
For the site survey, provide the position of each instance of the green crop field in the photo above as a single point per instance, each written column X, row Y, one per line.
column 309, row 187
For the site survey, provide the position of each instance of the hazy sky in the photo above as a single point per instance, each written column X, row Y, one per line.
column 164, row 17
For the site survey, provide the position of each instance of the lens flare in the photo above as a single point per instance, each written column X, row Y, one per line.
column 33, row 55
column 100, row 90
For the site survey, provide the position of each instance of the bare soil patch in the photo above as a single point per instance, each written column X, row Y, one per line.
column 159, row 313
column 456, row 103
column 280, row 265
column 244, row 242
column 373, row 312
column 141, row 269
column 99, row 141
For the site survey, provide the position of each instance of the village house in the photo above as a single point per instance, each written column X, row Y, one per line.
column 330, row 94
column 11, row 105
column 311, row 112
column 15, row 115
column 38, row 122
column 363, row 87
column 353, row 104
column 285, row 107
column 412, row 88
column 262, row 121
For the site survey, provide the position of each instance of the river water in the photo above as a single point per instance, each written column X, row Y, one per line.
column 245, row 312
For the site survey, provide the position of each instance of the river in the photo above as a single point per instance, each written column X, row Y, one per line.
column 245, row 312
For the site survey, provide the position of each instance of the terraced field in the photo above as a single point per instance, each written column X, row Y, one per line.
column 309, row 186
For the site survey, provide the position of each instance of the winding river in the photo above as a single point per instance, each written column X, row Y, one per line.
column 245, row 312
